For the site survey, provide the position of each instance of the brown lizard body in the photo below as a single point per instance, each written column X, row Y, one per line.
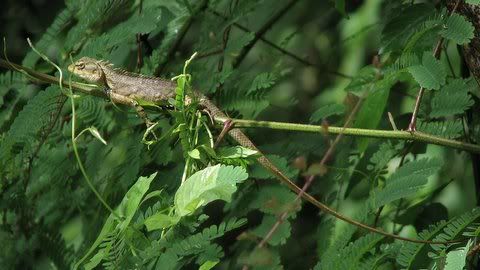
column 158, row 90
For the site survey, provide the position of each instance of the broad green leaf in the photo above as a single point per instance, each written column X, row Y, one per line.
column 212, row 183
column 379, row 160
column 449, row 129
column 160, row 221
column 430, row 74
column 372, row 109
column 473, row 2
column 452, row 99
column 127, row 208
column 107, row 228
column 456, row 259
column 235, row 152
column 130, row 202
column 275, row 200
column 195, row 154
column 280, row 236
column 155, row 193
column 406, row 181
column 458, row 29
column 208, row 265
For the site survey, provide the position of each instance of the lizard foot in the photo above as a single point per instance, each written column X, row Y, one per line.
column 150, row 130
column 107, row 91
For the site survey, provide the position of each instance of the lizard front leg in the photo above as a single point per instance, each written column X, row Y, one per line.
column 143, row 115
column 120, row 93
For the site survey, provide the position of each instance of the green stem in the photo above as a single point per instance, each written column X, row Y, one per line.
column 80, row 164
column 372, row 133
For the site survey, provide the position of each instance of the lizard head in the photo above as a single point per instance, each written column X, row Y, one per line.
column 88, row 69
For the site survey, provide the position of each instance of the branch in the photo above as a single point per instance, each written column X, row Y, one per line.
column 84, row 88
column 310, row 179
column 372, row 133
column 183, row 31
column 273, row 45
column 241, row 56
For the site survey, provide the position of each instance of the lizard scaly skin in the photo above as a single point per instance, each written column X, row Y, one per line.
column 157, row 90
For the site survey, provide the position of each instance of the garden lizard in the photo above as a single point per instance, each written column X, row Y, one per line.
column 157, row 90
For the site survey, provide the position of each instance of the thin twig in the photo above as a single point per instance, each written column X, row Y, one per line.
column 310, row 179
column 450, row 66
column 276, row 47
column 241, row 56
column 180, row 36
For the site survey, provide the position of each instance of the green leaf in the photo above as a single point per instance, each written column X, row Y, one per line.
column 130, row 202
column 195, row 154
column 208, row 265
column 235, row 152
column 275, row 200
column 458, row 29
column 350, row 256
column 473, row 2
column 262, row 81
column 94, row 131
column 456, row 259
column 449, row 129
column 212, row 183
column 363, row 79
column 280, row 162
column 402, row 23
column 326, row 111
column 452, row 99
column 430, row 74
column 160, row 221
column 383, row 156
column 406, row 181
column 372, row 109
column 126, row 210
column 280, row 236
column 407, row 257
column 406, row 60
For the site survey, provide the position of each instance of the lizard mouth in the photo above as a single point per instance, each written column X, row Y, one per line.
column 71, row 68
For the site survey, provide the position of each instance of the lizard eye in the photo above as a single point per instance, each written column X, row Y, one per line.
column 80, row 65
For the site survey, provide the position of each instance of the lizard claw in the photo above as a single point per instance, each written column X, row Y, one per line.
column 107, row 91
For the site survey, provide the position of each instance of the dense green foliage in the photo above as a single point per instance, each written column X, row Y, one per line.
column 179, row 202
